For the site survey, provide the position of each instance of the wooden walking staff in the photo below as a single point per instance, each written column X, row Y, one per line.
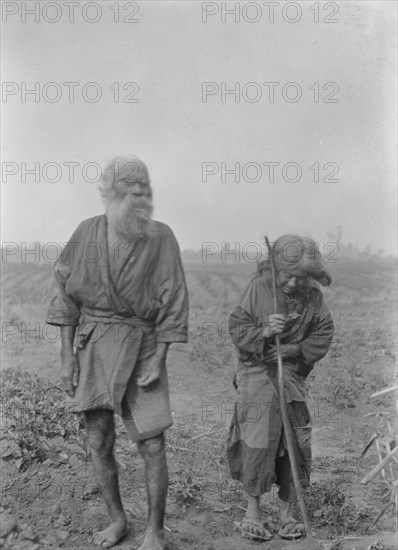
column 310, row 543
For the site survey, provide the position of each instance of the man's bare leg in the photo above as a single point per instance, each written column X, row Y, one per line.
column 157, row 481
column 101, row 437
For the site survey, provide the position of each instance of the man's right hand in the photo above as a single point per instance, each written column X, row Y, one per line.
column 70, row 373
column 276, row 324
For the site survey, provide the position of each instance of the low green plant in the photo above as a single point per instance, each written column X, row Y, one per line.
column 196, row 455
column 344, row 385
column 185, row 489
column 35, row 419
column 329, row 508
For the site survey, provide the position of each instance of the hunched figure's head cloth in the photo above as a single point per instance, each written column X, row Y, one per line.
column 299, row 256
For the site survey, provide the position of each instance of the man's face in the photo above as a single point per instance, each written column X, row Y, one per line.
column 290, row 282
column 136, row 189
column 129, row 209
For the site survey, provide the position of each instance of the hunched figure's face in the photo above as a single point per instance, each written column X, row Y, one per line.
column 289, row 282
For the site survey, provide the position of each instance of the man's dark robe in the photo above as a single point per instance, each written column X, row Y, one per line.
column 120, row 314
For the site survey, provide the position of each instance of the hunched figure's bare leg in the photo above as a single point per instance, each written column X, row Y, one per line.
column 154, row 454
column 253, row 508
column 251, row 525
column 101, row 437
column 291, row 526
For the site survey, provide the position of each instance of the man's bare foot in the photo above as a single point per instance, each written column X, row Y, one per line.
column 153, row 541
column 110, row 537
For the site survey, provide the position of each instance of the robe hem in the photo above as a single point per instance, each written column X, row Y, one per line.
column 150, row 433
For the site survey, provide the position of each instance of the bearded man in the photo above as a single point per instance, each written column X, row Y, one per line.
column 256, row 444
column 121, row 301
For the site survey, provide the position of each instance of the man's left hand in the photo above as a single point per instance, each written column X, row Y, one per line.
column 288, row 351
column 152, row 368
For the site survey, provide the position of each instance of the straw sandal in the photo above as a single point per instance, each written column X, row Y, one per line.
column 291, row 529
column 248, row 525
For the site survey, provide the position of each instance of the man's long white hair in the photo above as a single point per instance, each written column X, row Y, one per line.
column 129, row 215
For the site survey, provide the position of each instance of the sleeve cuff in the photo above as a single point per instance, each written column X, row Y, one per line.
column 59, row 321
column 302, row 354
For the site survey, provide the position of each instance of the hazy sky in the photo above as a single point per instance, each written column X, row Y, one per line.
column 169, row 53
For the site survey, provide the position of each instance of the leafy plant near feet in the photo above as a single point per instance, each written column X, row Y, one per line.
column 196, row 457
column 383, row 441
column 328, row 507
column 35, row 421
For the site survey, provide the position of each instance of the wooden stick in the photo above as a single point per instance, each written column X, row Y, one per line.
column 285, row 420
column 383, row 473
column 386, row 460
column 388, row 450
column 382, row 392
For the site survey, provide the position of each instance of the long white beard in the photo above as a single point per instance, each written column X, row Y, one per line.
column 130, row 217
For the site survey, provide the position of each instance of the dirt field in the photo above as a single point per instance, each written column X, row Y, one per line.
column 47, row 482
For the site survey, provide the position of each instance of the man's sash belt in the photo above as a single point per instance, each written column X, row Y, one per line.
column 87, row 319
